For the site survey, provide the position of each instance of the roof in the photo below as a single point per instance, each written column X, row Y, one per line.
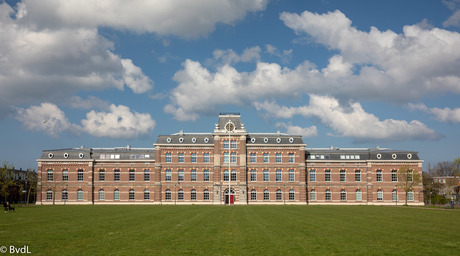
column 343, row 154
column 87, row 154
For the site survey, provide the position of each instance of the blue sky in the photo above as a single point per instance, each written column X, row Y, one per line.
column 342, row 73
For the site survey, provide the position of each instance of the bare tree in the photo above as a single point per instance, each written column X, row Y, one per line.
column 408, row 179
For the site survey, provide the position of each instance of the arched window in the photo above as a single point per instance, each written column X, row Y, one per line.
column 279, row 195
column 394, row 195
column 379, row 195
column 206, row 195
column 253, row 195
column 266, row 195
column 291, row 195
column 410, row 196
column 146, row 194
column 167, row 195
column 101, row 195
column 328, row 195
column 65, row 195
column 116, row 195
column 343, row 195
column 180, row 195
column 313, row 195
column 193, row 195
column 358, row 195
column 131, row 194
column 233, row 175
column 225, row 175
column 80, row 194
column 49, row 194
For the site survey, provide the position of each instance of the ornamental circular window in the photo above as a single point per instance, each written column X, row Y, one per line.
column 181, row 139
column 50, row 155
column 206, row 140
column 265, row 140
column 253, row 140
column 168, row 140
column 81, row 155
column 379, row 156
column 278, row 140
column 66, row 155
column 193, row 140
column 291, row 140
column 409, row 156
column 230, row 127
column 393, row 156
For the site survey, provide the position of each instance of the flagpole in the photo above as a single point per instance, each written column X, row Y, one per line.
column 229, row 165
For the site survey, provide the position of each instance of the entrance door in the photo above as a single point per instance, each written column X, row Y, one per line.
column 231, row 196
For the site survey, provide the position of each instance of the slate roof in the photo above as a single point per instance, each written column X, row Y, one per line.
column 357, row 154
column 88, row 154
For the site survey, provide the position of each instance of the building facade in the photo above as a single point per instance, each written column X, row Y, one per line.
column 227, row 166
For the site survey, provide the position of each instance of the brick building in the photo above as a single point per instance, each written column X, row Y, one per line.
column 228, row 165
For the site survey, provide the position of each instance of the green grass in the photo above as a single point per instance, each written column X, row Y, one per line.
column 235, row 230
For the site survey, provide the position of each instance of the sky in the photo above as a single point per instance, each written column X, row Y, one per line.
column 111, row 73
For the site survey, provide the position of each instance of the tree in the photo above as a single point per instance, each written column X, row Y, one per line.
column 6, row 179
column 31, row 183
column 408, row 179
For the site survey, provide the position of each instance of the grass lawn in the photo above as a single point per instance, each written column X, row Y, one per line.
column 234, row 230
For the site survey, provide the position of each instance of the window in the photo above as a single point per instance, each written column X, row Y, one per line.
column 233, row 144
column 327, row 176
column 131, row 194
column 266, row 195
column 49, row 175
column 278, row 157
column 410, row 196
column 146, row 175
column 132, row 175
column 226, row 158
column 101, row 175
column 358, row 176
column 313, row 195
column 193, row 175
column 253, row 158
column 168, row 158
column 193, row 158
column 167, row 195
column 116, row 195
column 180, row 195
column 394, row 195
column 253, row 195
column 266, row 159
column 80, row 175
column 181, row 175
column 358, row 195
column 279, row 195
column 226, row 144
column 328, row 195
column 116, row 175
column 65, row 175
column 343, row 195
column 146, row 195
column 312, row 176
column 168, row 175
column 394, row 176
column 233, row 157
column 206, row 195
column 291, row 195
column 291, row 175
column 80, row 195
column 233, row 175
column 225, row 175
column 253, row 175
column 206, row 158
column 101, row 195
column 49, row 194
column 410, row 176
column 379, row 195
column 279, row 175
column 378, row 176
column 291, row 158
column 343, row 176
column 181, row 157
column 206, row 175
column 193, row 195
column 266, row 175
column 65, row 195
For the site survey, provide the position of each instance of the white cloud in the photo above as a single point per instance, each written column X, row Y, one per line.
column 453, row 20
column 440, row 114
column 311, row 131
column 46, row 117
column 120, row 122
column 352, row 120
column 285, row 56
column 231, row 57
column 88, row 103
column 173, row 17
column 134, row 77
